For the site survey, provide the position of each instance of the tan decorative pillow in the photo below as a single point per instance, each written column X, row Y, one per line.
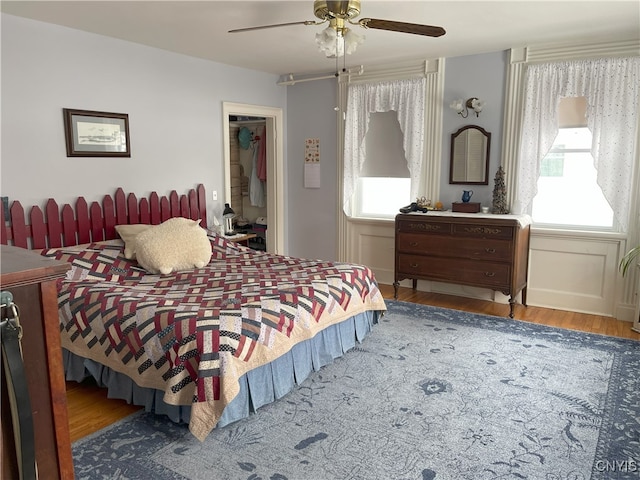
column 128, row 234
column 175, row 245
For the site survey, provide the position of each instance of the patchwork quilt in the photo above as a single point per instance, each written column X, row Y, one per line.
column 193, row 334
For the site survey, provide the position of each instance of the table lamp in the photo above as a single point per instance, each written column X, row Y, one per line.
column 228, row 214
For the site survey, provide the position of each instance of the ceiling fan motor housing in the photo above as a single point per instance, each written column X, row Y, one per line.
column 345, row 10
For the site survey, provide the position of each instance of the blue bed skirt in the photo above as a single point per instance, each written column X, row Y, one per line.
column 258, row 387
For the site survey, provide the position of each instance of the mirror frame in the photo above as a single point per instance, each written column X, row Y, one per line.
column 486, row 167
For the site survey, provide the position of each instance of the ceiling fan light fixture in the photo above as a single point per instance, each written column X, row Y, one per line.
column 338, row 42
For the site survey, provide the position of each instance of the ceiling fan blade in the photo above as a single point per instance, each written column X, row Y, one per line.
column 248, row 29
column 414, row 28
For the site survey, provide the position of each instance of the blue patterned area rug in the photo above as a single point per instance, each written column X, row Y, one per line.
column 430, row 394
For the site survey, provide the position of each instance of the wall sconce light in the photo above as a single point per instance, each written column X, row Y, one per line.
column 228, row 214
column 462, row 108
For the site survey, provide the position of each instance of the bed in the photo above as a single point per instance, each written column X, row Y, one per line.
column 207, row 346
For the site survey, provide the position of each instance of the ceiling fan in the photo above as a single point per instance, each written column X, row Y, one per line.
column 337, row 39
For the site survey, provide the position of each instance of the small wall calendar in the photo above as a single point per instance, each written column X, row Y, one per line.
column 312, row 163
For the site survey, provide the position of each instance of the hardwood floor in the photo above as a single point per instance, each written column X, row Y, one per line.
column 545, row 316
column 90, row 409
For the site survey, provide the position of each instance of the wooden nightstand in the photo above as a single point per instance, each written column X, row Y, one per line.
column 31, row 278
column 241, row 238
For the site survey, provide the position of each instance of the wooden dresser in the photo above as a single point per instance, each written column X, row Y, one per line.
column 31, row 278
column 490, row 251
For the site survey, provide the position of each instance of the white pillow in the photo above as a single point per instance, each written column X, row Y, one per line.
column 175, row 245
column 128, row 234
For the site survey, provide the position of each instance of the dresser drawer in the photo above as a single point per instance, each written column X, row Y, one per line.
column 464, row 271
column 483, row 231
column 457, row 247
column 422, row 225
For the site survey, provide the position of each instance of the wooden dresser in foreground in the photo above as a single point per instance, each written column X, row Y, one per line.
column 31, row 279
column 489, row 251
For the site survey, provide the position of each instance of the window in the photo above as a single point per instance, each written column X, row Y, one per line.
column 380, row 121
column 568, row 195
column 384, row 184
column 610, row 87
column 382, row 197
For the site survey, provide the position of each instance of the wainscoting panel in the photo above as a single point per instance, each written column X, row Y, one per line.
column 372, row 243
column 575, row 274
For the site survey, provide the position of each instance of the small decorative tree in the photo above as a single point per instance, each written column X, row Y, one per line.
column 500, row 193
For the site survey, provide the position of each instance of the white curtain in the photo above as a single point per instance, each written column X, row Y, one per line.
column 406, row 97
column 610, row 86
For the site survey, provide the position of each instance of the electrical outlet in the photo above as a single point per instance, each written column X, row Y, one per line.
column 214, row 194
column 5, row 206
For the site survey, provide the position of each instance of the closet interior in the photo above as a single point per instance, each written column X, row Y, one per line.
column 248, row 171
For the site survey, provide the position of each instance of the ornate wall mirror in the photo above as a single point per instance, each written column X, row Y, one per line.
column 470, row 156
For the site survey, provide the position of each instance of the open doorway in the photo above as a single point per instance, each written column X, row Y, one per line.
column 274, row 126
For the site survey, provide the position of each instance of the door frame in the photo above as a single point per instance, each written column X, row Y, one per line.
column 275, row 165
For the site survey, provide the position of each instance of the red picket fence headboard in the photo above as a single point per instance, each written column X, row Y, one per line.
column 66, row 226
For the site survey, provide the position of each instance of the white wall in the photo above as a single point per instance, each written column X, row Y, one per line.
column 174, row 103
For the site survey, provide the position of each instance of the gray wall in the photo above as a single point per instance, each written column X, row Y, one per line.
column 312, row 212
column 312, row 223
column 174, row 104
column 481, row 76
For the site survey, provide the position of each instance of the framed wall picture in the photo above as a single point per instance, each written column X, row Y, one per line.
column 96, row 134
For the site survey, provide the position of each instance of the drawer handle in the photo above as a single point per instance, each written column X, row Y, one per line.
column 489, row 274
column 490, row 250
column 414, row 265
column 414, row 244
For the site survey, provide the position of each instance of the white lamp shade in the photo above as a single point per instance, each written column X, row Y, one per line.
column 457, row 105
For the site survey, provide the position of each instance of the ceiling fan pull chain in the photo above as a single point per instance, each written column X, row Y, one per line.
column 337, row 57
column 344, row 61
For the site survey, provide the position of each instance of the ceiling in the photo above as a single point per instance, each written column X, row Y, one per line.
column 200, row 28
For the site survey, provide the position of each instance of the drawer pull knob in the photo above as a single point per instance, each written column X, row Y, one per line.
column 414, row 244
column 414, row 265
column 490, row 250
column 489, row 274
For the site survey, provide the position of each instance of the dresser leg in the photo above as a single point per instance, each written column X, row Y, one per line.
column 512, row 304
column 395, row 290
